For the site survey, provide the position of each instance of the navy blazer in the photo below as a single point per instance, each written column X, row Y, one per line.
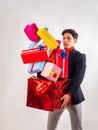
column 77, row 67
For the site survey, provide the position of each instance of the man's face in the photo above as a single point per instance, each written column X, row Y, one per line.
column 68, row 41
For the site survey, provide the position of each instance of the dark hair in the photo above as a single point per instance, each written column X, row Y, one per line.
column 72, row 32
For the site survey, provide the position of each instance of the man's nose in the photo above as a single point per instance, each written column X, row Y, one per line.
column 65, row 40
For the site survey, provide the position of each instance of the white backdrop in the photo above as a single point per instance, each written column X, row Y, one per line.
column 81, row 15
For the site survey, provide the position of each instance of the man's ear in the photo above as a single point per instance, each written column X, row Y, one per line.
column 75, row 40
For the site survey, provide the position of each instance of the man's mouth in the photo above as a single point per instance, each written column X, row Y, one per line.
column 65, row 44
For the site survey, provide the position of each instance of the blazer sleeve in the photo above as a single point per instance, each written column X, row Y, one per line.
column 80, row 67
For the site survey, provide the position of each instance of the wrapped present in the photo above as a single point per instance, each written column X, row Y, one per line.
column 31, row 31
column 34, row 55
column 51, row 71
column 44, row 94
column 36, row 67
column 62, row 62
column 48, row 38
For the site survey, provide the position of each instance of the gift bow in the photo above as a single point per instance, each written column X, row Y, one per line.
column 63, row 54
column 40, row 47
column 54, row 74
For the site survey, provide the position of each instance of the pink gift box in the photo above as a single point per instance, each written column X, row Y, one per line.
column 31, row 32
column 51, row 71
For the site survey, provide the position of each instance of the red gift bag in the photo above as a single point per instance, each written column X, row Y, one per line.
column 45, row 94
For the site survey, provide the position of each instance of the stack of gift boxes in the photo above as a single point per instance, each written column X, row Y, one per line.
column 45, row 56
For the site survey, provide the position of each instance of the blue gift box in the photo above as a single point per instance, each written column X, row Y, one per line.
column 36, row 67
column 32, row 45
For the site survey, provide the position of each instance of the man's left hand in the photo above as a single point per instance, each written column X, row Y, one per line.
column 66, row 99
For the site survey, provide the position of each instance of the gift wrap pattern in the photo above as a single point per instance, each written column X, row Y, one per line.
column 51, row 71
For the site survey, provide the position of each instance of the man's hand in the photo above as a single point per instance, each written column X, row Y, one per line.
column 66, row 100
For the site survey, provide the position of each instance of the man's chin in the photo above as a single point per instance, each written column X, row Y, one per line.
column 66, row 47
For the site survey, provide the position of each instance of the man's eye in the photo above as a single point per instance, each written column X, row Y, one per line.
column 68, row 38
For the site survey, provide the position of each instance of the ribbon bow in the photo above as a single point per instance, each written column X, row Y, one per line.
column 40, row 47
column 63, row 54
column 54, row 74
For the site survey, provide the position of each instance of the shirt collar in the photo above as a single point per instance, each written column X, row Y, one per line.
column 69, row 50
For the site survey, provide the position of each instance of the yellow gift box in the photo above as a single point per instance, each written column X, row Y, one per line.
column 48, row 38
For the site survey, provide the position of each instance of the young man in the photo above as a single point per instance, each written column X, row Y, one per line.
column 77, row 66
